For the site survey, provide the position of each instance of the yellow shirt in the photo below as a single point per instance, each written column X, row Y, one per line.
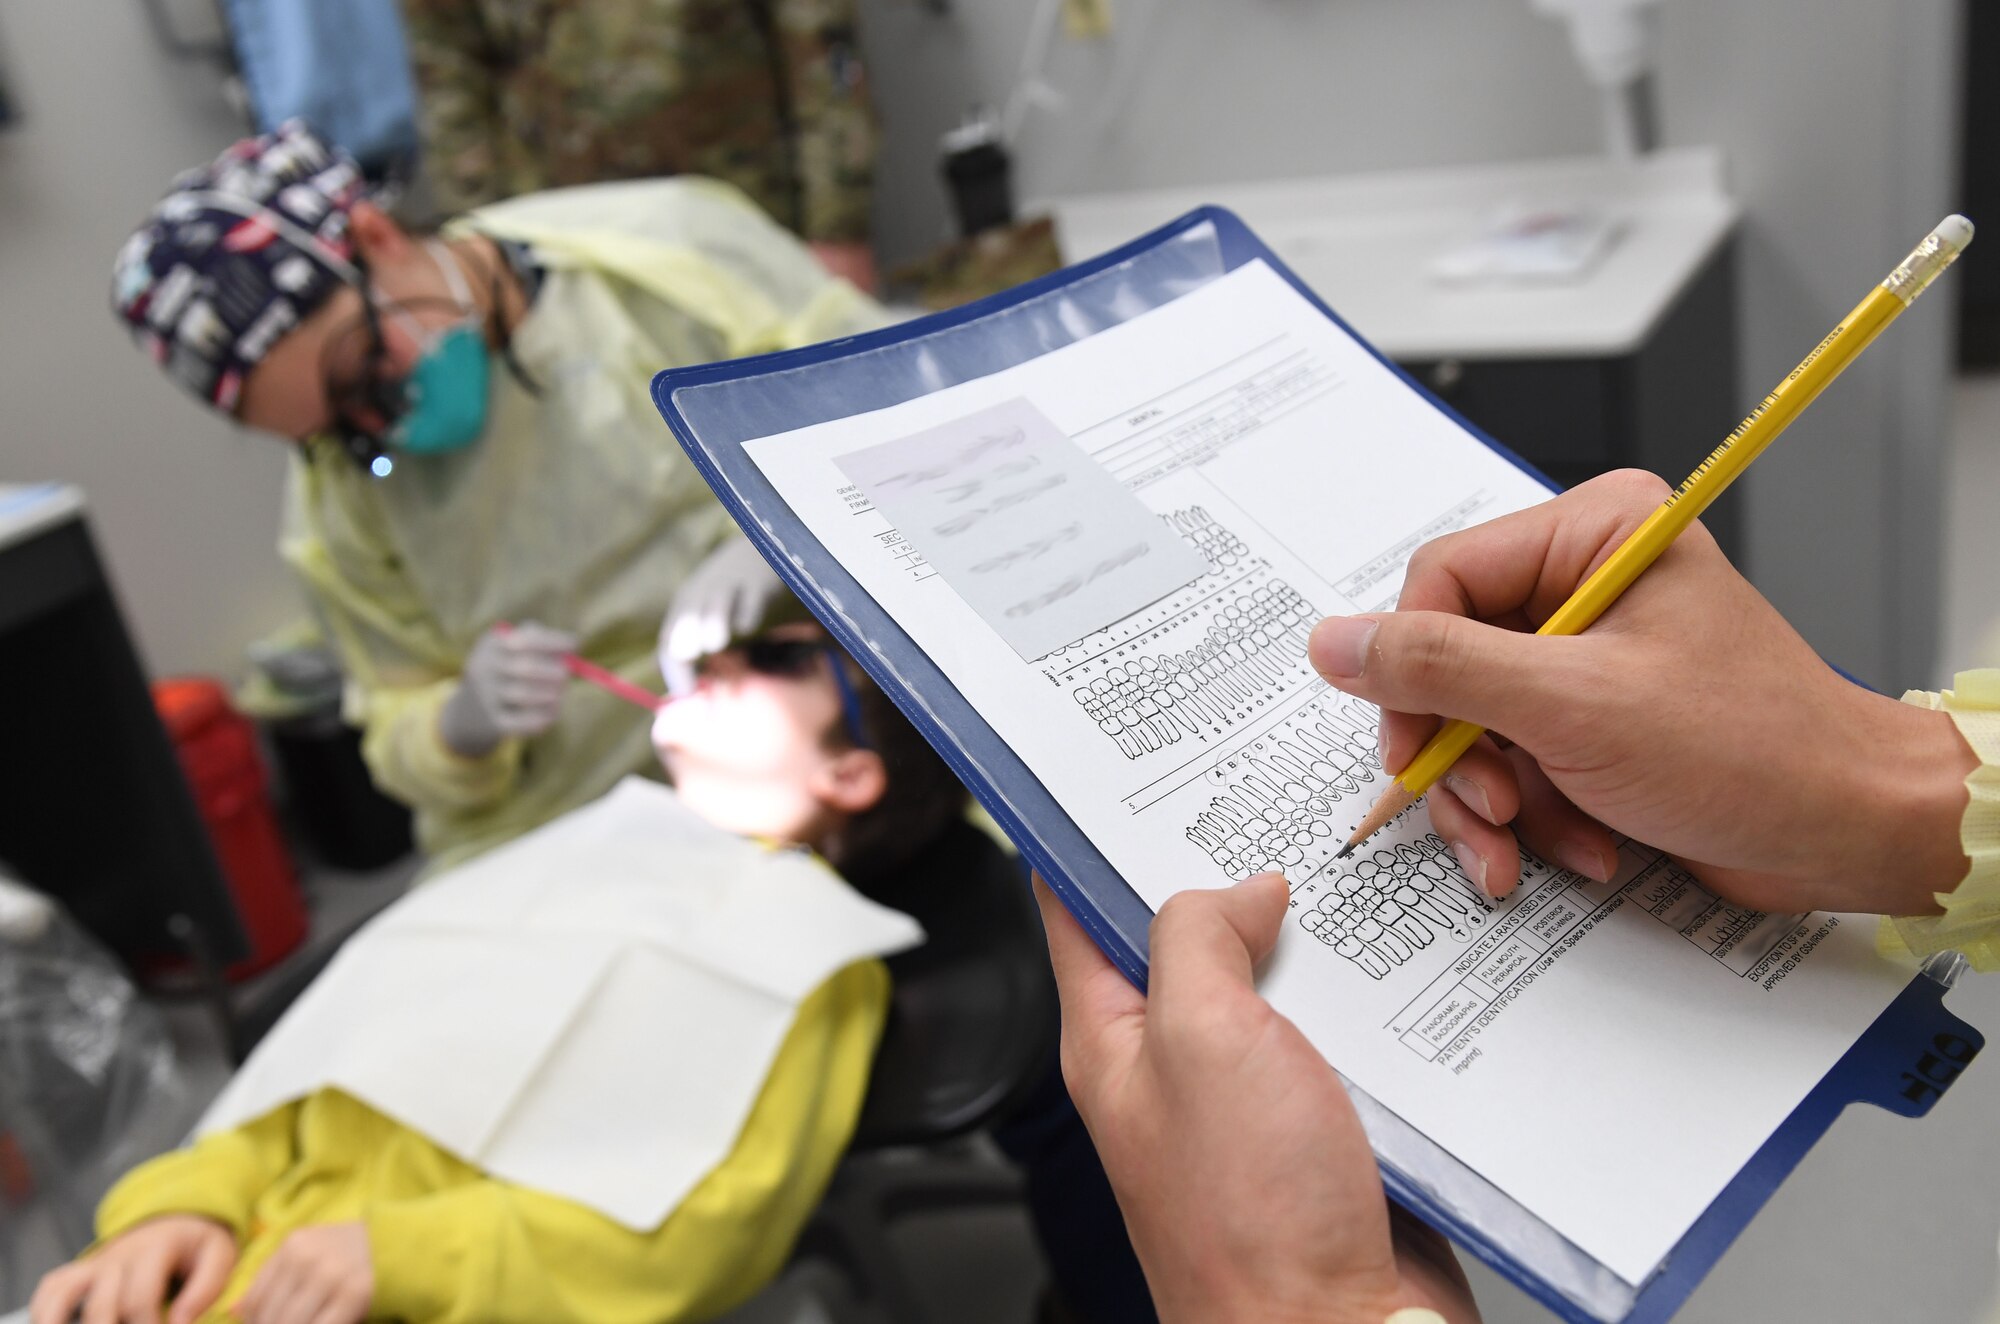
column 449, row 1243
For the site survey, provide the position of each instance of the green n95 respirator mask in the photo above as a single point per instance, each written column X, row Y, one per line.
column 445, row 395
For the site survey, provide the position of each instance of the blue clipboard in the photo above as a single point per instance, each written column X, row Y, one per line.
column 1903, row 1063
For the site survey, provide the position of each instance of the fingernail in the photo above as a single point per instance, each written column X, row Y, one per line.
column 1474, row 796
column 1339, row 645
column 1586, row 860
column 1475, row 867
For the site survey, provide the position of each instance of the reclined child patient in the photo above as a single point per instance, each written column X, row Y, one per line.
column 325, row 1211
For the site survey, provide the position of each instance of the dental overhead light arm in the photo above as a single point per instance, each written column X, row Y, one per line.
column 1616, row 41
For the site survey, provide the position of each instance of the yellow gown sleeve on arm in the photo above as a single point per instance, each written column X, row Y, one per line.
column 497, row 1253
column 220, row 1177
column 1971, row 919
column 409, row 759
column 400, row 669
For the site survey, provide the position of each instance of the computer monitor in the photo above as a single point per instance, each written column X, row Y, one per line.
column 94, row 810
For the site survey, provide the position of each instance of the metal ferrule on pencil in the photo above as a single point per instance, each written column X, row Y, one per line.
column 1927, row 261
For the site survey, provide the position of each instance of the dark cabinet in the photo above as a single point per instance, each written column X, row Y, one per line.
column 1663, row 406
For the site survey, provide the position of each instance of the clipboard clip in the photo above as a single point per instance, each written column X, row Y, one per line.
column 1918, row 1048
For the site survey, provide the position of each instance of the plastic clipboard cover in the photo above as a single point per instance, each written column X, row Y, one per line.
column 873, row 372
column 715, row 409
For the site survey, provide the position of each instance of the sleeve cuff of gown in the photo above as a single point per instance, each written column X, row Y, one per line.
column 410, row 760
column 175, row 1186
column 1971, row 919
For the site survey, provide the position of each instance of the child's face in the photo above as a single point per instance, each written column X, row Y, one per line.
column 750, row 750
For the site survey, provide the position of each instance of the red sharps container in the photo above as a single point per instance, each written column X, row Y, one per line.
column 218, row 752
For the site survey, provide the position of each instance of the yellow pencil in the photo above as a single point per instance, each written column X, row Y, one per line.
column 1842, row 345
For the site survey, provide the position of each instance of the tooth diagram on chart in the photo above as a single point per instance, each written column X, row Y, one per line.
column 1201, row 662
column 1381, row 910
column 1280, row 793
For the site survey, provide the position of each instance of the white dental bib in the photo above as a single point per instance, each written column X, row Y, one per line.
column 590, row 1010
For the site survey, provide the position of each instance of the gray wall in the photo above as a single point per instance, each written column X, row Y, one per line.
column 1835, row 114
column 1248, row 89
column 184, row 507
column 1841, row 137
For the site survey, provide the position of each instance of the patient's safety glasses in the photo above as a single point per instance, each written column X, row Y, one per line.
column 794, row 659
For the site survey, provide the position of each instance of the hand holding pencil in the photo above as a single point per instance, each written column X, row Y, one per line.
column 1691, row 716
column 1614, row 569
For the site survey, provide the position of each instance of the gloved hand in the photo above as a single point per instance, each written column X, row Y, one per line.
column 725, row 599
column 512, row 686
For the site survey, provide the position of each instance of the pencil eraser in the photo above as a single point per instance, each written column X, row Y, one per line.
column 1954, row 230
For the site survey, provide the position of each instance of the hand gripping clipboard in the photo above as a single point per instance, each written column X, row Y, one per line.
column 1904, row 1062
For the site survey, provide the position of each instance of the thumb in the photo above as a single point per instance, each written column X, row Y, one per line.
column 1435, row 662
column 1207, row 943
column 1103, row 1016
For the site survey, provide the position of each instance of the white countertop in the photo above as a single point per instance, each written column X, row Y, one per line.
column 28, row 508
column 1364, row 243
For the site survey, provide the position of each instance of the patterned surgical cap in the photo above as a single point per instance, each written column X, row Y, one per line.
column 237, row 254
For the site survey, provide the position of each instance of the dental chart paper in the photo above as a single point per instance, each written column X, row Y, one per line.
column 1609, row 1055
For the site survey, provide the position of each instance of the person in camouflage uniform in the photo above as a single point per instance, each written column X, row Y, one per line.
column 769, row 95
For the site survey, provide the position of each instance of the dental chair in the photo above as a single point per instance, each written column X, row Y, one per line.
column 971, row 1035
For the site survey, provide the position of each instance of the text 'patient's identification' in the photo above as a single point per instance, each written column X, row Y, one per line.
column 1035, row 535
